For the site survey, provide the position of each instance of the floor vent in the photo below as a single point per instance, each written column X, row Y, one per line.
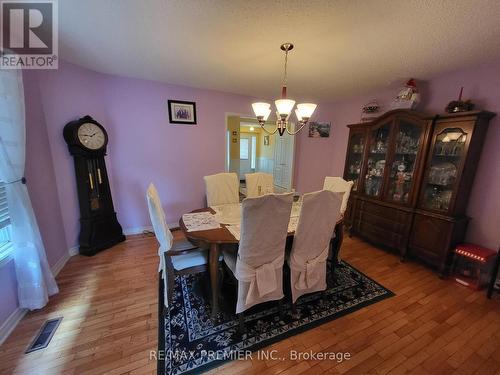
column 42, row 340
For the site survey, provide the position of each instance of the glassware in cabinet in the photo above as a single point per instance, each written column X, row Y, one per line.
column 441, row 176
column 404, row 161
column 355, row 158
column 377, row 152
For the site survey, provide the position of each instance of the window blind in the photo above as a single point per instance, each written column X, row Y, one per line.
column 4, row 209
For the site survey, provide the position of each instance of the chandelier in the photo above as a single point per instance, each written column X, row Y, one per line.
column 284, row 107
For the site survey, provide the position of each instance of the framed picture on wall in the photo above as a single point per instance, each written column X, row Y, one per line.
column 266, row 140
column 319, row 129
column 181, row 112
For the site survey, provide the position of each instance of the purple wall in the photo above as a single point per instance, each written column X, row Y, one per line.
column 43, row 193
column 143, row 146
column 67, row 94
column 40, row 174
column 320, row 157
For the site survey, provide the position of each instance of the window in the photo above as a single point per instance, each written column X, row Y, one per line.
column 243, row 148
column 254, row 152
column 5, row 235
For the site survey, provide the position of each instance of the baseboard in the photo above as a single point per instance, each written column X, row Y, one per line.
column 56, row 268
column 73, row 251
column 140, row 230
column 136, row 230
column 11, row 323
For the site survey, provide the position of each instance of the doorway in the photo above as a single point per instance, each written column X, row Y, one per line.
column 248, row 154
column 250, row 149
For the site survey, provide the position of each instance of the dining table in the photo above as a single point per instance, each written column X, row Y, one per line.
column 214, row 239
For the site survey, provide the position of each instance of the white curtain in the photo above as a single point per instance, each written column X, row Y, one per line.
column 34, row 277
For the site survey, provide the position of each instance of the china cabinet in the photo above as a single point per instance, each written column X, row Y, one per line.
column 412, row 176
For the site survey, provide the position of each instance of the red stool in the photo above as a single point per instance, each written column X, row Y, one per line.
column 472, row 265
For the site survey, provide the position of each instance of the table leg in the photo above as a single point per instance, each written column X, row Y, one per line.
column 213, row 265
column 494, row 275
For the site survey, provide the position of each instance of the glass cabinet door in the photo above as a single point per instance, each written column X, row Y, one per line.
column 377, row 152
column 401, row 175
column 447, row 154
column 355, row 158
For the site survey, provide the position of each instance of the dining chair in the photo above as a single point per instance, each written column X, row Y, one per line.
column 258, row 264
column 307, row 260
column 176, row 258
column 222, row 188
column 339, row 185
column 258, row 184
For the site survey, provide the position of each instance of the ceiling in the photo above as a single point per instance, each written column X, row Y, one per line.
column 342, row 47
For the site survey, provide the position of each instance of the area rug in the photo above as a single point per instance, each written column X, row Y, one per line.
column 190, row 342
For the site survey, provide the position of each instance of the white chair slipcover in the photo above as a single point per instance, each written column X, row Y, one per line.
column 258, row 265
column 339, row 185
column 166, row 239
column 318, row 216
column 222, row 188
column 255, row 180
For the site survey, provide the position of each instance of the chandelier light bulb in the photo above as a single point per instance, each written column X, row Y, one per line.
column 284, row 106
column 261, row 109
column 297, row 113
column 306, row 110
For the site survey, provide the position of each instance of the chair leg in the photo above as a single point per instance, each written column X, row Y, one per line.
column 294, row 309
column 323, row 298
column 280, row 309
column 241, row 322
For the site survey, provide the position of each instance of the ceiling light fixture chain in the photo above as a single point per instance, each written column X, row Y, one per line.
column 284, row 106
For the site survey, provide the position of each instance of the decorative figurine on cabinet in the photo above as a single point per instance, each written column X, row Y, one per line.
column 400, row 181
column 459, row 105
column 370, row 111
column 408, row 97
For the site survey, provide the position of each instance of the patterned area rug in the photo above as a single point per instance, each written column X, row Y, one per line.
column 190, row 342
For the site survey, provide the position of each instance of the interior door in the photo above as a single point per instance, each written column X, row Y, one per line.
column 246, row 155
column 283, row 161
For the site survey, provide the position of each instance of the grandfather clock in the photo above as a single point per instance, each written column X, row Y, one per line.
column 99, row 227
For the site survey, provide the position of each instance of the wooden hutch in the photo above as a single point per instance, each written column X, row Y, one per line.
column 412, row 177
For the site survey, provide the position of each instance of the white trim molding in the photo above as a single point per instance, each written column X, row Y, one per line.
column 136, row 230
column 73, row 251
column 140, row 230
column 13, row 320
column 10, row 323
column 56, row 268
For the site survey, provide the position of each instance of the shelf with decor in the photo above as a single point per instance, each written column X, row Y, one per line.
column 414, row 181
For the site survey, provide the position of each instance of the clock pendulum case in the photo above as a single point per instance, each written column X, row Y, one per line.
column 99, row 227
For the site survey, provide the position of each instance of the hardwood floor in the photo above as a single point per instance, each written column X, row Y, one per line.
column 109, row 304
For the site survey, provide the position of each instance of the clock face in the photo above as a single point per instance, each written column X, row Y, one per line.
column 91, row 136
